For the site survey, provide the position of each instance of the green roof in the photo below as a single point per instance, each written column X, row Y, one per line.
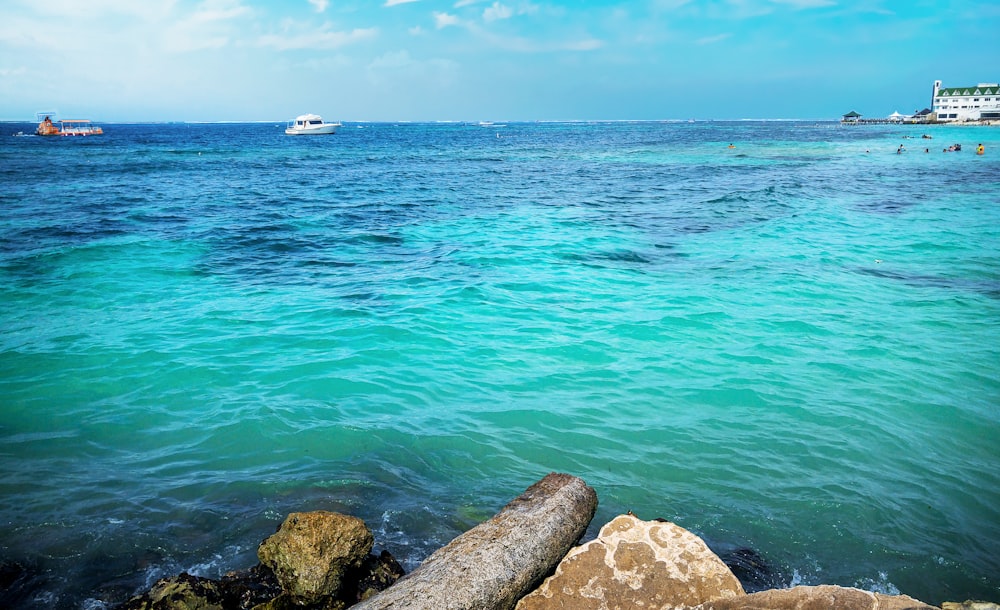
column 974, row 90
column 852, row 115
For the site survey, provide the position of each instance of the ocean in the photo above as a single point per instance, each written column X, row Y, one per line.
column 791, row 345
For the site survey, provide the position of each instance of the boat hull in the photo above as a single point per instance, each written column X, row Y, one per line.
column 81, row 131
column 320, row 130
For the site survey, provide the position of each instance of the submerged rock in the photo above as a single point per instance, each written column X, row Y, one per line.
column 182, row 592
column 18, row 583
column 241, row 590
column 636, row 564
column 495, row 563
column 752, row 570
column 375, row 574
column 247, row 589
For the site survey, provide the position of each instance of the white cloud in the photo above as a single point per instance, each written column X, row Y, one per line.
column 586, row 44
column 393, row 59
column 208, row 27
column 670, row 4
column 520, row 44
column 297, row 35
column 443, row 20
column 712, row 39
column 320, row 5
column 395, row 2
column 497, row 11
column 526, row 8
column 737, row 9
column 73, row 26
column 19, row 32
column 101, row 29
column 399, row 71
column 218, row 10
column 97, row 9
column 802, row 4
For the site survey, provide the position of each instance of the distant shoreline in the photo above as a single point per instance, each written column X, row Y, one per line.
column 281, row 123
column 863, row 122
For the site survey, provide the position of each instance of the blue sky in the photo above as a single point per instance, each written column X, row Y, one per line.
column 394, row 60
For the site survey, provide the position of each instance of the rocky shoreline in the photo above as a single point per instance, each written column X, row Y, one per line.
column 526, row 557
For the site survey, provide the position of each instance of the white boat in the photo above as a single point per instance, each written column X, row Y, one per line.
column 310, row 124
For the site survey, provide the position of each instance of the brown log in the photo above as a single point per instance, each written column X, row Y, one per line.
column 497, row 562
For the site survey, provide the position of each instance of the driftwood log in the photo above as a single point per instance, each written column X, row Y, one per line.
column 495, row 563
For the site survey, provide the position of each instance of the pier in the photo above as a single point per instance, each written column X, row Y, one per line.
column 884, row 121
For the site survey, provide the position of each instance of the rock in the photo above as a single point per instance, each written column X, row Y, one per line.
column 182, row 592
column 636, row 564
column 285, row 602
column 495, row 563
column 249, row 588
column 376, row 574
column 236, row 590
column 752, row 570
column 970, row 604
column 258, row 589
column 18, row 583
column 823, row 597
column 310, row 553
column 10, row 573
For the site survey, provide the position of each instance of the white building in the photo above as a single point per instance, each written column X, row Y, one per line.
column 978, row 103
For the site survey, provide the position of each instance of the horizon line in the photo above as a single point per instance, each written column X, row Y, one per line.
column 439, row 121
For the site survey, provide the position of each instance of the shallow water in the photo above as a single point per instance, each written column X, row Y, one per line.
column 791, row 345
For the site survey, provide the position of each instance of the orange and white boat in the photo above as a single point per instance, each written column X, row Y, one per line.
column 67, row 127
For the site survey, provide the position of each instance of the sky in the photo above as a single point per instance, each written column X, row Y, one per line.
column 500, row 60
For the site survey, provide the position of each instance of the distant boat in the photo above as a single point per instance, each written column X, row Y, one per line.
column 67, row 127
column 310, row 124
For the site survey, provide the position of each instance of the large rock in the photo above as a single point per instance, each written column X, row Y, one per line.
column 311, row 552
column 823, row 597
column 495, row 563
column 636, row 564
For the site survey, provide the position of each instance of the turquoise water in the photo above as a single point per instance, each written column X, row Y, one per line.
column 792, row 345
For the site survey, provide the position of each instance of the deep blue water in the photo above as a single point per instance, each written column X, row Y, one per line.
column 792, row 345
